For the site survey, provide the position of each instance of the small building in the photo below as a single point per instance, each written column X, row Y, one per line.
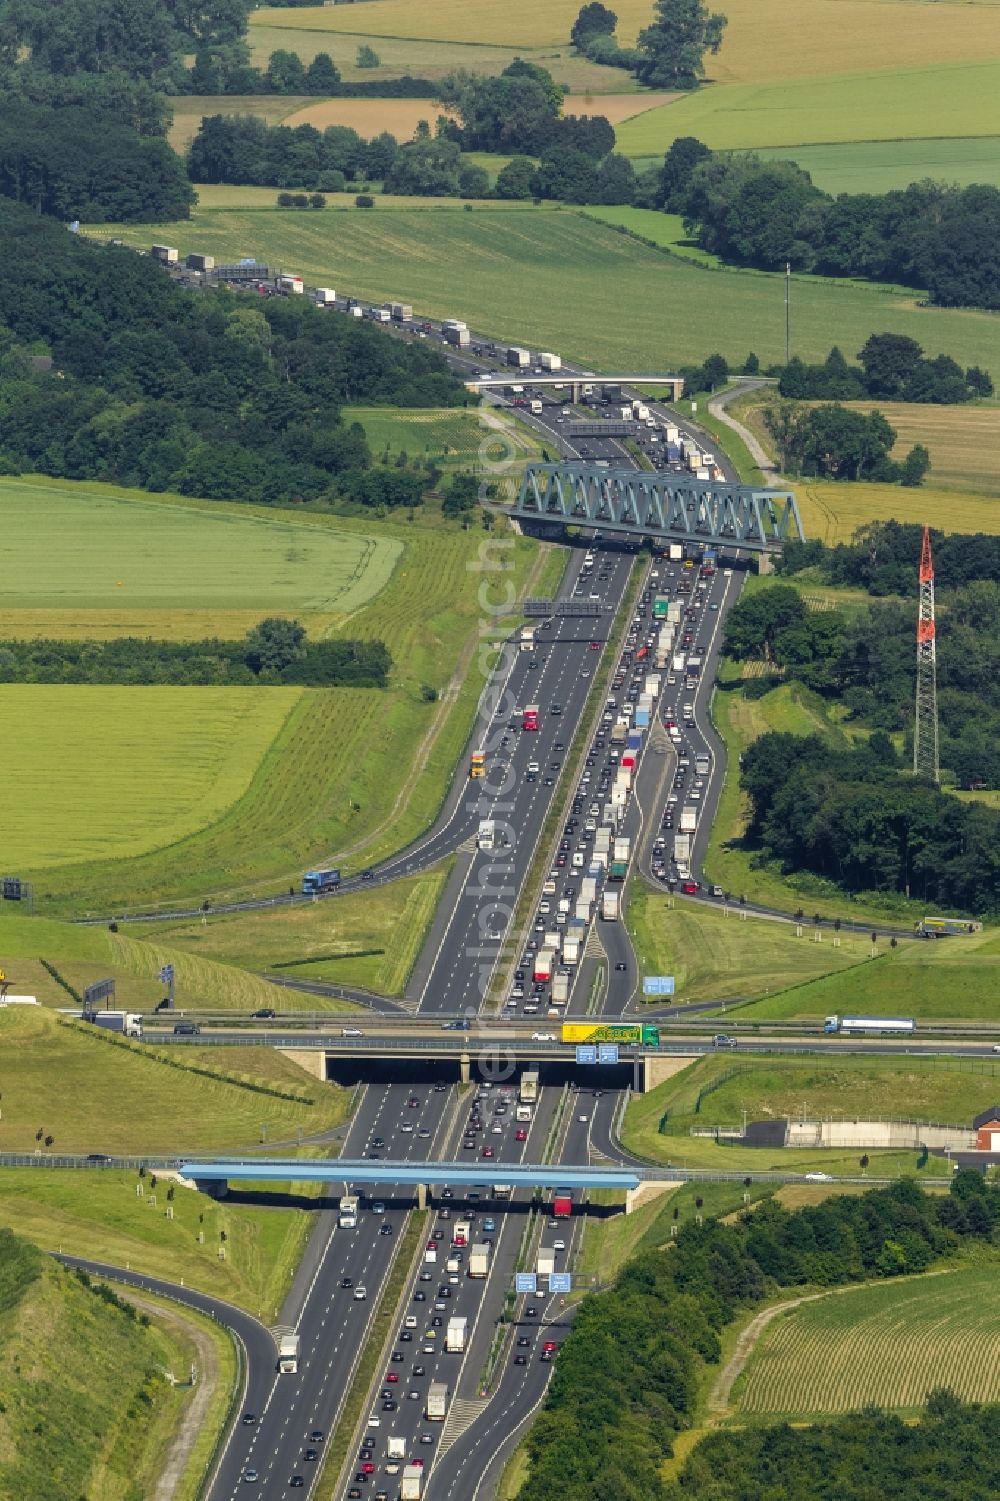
column 987, row 1129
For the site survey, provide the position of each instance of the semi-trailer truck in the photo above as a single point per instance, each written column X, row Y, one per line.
column 479, row 1260
column 518, row 357
column 550, row 362
column 682, row 848
column 527, row 1091
column 529, row 720
column 689, row 819
column 347, row 1218
column 455, row 1335
column 892, row 1026
column 411, row 1485
column 527, row 638
column 316, row 881
column 610, row 906
column 623, row 849
column 288, row 1354
column 401, row 312
column 127, row 1023
column 487, row 834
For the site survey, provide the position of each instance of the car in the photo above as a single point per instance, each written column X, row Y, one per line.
column 265, row 1012
column 543, row 1037
column 102, row 1157
column 523, row 1341
column 360, row 1294
column 385, row 1229
column 520, row 1359
column 583, row 1119
column 249, row 1419
column 489, row 1223
column 427, row 1438
column 621, row 966
column 354, row 1493
column 187, row 1029
column 413, row 1102
column 368, row 875
column 420, row 1296
column 389, row 1405
column 595, row 646
column 316, row 1437
column 366, row 1469
column 545, row 1357
column 296, row 1482
column 818, row 1178
column 550, row 1346
column 558, row 1245
column 723, row 1040
column 488, row 1152
column 351, row 1032
column 250, row 1477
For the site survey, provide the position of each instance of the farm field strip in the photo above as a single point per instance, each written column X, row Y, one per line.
column 886, row 1345
column 519, row 24
column 664, row 310
column 85, row 624
column 878, row 166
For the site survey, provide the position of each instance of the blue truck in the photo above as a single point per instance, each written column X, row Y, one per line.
column 314, row 882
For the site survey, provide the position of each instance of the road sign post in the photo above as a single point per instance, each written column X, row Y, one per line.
column 658, row 985
column 560, row 1282
column 167, row 979
column 525, row 1282
column 586, row 1053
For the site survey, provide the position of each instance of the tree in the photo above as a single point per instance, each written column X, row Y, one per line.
column 425, row 167
column 367, row 57
column 751, row 364
column 672, row 50
column 516, row 180
column 716, row 369
column 888, row 362
column 684, row 155
column 566, row 174
column 553, row 91
column 594, row 20
column 285, row 73
column 915, row 466
column 322, row 75
column 473, row 182
column 274, row 644
column 615, row 181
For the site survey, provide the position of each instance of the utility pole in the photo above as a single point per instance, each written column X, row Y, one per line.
column 788, row 288
column 925, row 724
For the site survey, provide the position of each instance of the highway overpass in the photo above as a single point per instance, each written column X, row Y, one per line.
column 574, row 380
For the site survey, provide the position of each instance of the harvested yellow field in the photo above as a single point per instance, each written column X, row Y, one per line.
column 518, row 24
column 963, row 441
column 767, row 40
column 370, row 117
column 615, row 107
column 833, row 512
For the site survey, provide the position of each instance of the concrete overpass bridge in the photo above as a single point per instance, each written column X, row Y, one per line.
column 575, row 380
column 665, row 507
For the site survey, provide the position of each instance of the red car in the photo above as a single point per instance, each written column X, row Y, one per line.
column 595, row 646
column 487, row 1151
column 550, row 1345
column 392, row 1376
column 521, row 1134
column 689, row 888
column 368, row 1468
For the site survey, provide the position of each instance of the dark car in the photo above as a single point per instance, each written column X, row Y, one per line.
column 249, row 1418
column 311, row 1454
column 266, row 1011
column 187, row 1029
column 296, row 1482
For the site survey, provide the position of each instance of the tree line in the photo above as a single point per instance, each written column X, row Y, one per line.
column 274, row 652
column 839, row 443
column 769, row 214
column 892, row 367
column 865, row 661
column 221, row 395
column 668, row 54
column 629, row 1373
column 848, row 816
column 883, row 557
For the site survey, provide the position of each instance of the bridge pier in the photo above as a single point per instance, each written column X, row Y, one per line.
column 215, row 1188
column 465, row 1067
column 421, row 1195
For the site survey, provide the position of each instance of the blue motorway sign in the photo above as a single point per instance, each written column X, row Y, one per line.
column 560, row 1282
column 607, row 1052
column 525, row 1282
column 586, row 1053
column 658, row 985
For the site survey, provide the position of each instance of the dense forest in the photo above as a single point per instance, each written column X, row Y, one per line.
column 219, row 395
column 628, row 1375
column 274, row 652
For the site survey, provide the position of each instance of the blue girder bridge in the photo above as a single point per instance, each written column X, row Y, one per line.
column 411, row 1174
column 673, row 507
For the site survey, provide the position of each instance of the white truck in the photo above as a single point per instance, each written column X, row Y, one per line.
column 519, row 358
column 678, row 662
column 479, row 1261
column 535, row 407
column 610, row 906
column 527, row 1090
column 522, row 1114
column 588, row 889
column 702, row 763
column 560, row 989
column 550, row 362
column 455, row 1335
column 289, row 286
column 640, row 411
column 288, row 1354
column 582, row 912
column 623, row 849
column 527, row 638
column 676, row 548
column 412, row 1482
column 395, row 1447
column 674, row 612
column 689, row 818
column 324, row 296
column 437, row 1402
column 127, row 1023
column 454, row 331
column 486, row 835
column 682, row 848
column 571, row 951
column 546, row 1262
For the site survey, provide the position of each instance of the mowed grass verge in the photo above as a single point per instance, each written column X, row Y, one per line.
column 366, row 938
column 663, row 310
column 886, row 1345
column 714, row 956
column 716, row 1090
column 91, row 1091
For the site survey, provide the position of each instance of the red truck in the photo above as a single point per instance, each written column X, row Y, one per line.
column 562, row 1204
column 530, row 719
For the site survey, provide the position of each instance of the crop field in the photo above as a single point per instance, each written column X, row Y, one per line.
column 712, row 956
column 659, row 310
column 110, row 549
column 519, row 25
column 100, row 773
column 364, row 938
column 885, row 1345
column 369, row 117
column 143, row 1098
column 878, row 166
column 190, row 109
column 961, row 97
column 954, row 980
column 834, row 512
column 963, row 441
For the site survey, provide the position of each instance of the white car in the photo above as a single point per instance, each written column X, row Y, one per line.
column 543, row 1037
column 818, row 1178
column 558, row 1245
column 351, row 1032
column 360, row 1294
column 583, row 1119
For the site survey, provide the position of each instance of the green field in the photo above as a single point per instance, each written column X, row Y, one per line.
column 715, row 1091
column 884, row 1345
column 364, row 938
column 662, row 311
column 961, row 98
column 447, row 438
column 98, row 1215
column 148, row 766
column 92, row 1092
column 77, row 1372
column 954, row 980
column 878, row 166
column 712, row 956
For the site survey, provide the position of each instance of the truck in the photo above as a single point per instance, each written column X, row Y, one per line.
column 618, row 870
column 463, row 1230
column 550, row 362
column 693, row 668
column 640, row 411
column 529, row 720
column 195, row 262
column 588, row 888
column 571, row 951
column 560, row 989
column 412, row 1483
column 401, row 312
column 583, row 910
column 288, row 1354
column 437, row 1402
column 682, row 848
column 289, row 285
column 627, row 1034
column 456, row 334
column 562, row 1200
column 324, row 296
column 623, row 849
column 477, row 765
column 619, row 730
column 518, row 357
column 702, row 763
column 634, row 741
column 522, row 1114
column 623, row 778
column 628, row 760
column 610, row 906
column 347, row 1217
column 395, row 1447
column 946, row 927
column 165, row 254
column 694, row 461
column 676, row 552
column 652, row 684
column 527, row 1091
column 671, row 433
column 545, row 1265
column 527, row 641
column 689, row 818
column 674, row 612
column 890, row 1026
column 127, row 1023
column 535, row 407
column 643, row 716
column 661, row 604
column 479, row 1260
column 455, row 1335
column 542, row 968
column 626, row 413
column 486, row 835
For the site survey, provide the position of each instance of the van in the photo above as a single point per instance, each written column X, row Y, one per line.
column 187, row 1029
column 578, row 860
